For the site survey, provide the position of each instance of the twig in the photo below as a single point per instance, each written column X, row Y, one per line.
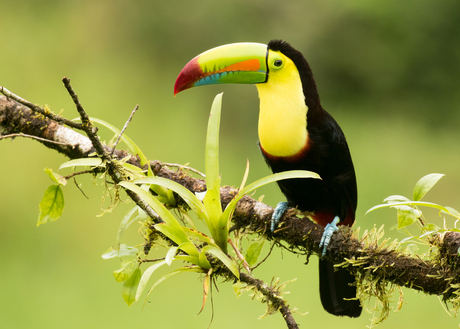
column 240, row 256
column 266, row 257
column 79, row 173
column 87, row 126
column 150, row 260
column 84, row 117
column 40, row 110
column 91, row 131
column 274, row 298
column 176, row 165
column 78, row 187
column 124, row 128
column 35, row 137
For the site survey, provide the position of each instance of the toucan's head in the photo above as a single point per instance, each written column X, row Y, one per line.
column 287, row 90
column 249, row 63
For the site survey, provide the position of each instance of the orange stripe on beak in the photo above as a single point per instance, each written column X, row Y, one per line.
column 249, row 65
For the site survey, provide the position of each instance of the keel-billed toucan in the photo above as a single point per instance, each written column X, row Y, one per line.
column 295, row 132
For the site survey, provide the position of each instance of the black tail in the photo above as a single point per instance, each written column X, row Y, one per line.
column 334, row 286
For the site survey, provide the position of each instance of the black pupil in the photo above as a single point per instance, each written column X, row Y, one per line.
column 278, row 62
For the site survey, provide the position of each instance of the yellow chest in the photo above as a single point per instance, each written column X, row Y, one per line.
column 282, row 117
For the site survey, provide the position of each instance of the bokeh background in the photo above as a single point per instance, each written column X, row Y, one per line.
column 387, row 70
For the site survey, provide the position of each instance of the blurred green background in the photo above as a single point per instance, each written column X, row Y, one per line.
column 387, row 70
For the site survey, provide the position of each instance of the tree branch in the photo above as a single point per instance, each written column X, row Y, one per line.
column 124, row 128
column 275, row 300
column 8, row 110
column 32, row 137
column 364, row 257
column 87, row 126
column 40, row 110
column 19, row 117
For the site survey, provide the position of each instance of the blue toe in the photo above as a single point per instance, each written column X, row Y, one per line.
column 281, row 207
column 328, row 231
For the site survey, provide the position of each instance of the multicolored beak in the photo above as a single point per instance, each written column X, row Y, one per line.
column 233, row 63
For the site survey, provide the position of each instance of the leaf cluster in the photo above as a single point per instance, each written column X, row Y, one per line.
column 175, row 227
column 409, row 212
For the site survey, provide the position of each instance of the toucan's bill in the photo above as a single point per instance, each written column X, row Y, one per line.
column 233, row 63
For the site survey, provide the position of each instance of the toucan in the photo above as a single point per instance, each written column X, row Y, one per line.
column 295, row 133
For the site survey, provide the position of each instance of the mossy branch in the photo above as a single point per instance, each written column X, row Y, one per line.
column 371, row 261
column 19, row 116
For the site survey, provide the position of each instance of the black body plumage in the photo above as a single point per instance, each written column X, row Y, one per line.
column 326, row 153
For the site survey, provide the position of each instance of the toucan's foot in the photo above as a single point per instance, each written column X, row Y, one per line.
column 281, row 207
column 328, row 231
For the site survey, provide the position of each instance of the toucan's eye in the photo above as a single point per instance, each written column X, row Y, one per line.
column 276, row 61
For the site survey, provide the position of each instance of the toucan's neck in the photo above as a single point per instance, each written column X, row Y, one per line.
column 283, row 116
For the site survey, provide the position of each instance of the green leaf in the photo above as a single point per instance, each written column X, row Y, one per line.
column 407, row 239
column 173, row 234
column 199, row 236
column 212, row 144
column 91, row 162
column 129, row 289
column 56, row 177
column 239, row 287
column 193, row 202
column 451, row 211
column 412, row 249
column 122, row 251
column 407, row 216
column 52, row 205
column 188, row 219
column 146, row 277
column 278, row 176
column 212, row 203
column 126, row 270
column 245, row 176
column 264, row 181
column 218, row 228
column 430, row 227
column 204, row 262
column 109, row 254
column 191, row 259
column 253, row 252
column 173, row 226
column 425, row 184
column 396, row 198
column 217, row 252
column 178, row 271
column 128, row 141
column 125, row 222
column 403, row 230
column 170, row 255
column 127, row 251
column 134, row 169
column 170, row 197
column 412, row 203
column 133, row 172
column 188, row 247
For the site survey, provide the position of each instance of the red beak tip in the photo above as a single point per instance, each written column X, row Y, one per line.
column 177, row 88
column 176, row 91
